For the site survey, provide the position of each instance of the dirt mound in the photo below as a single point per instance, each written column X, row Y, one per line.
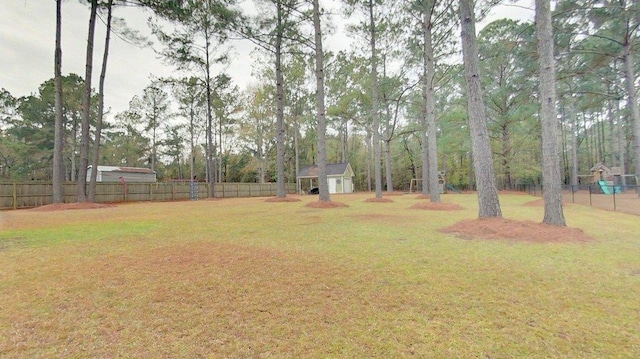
column 437, row 206
column 68, row 206
column 279, row 199
column 378, row 200
column 525, row 231
column 326, row 204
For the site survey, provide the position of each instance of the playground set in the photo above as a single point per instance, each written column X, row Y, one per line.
column 607, row 180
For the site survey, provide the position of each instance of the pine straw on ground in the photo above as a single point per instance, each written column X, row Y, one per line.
column 515, row 230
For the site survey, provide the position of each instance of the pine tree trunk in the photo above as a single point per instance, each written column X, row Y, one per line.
column 86, row 108
column 611, row 134
column 573, row 121
column 369, row 159
column 430, row 106
column 323, row 186
column 103, row 73
column 551, row 179
column 296, row 150
column 489, row 205
column 219, row 175
column 58, row 166
column 387, row 165
column 377, row 165
column 424, row 147
column 632, row 105
column 621, row 146
column 192, row 149
column 281, row 191
column 209, row 130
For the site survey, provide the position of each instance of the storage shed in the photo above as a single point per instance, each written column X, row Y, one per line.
column 339, row 178
column 129, row 174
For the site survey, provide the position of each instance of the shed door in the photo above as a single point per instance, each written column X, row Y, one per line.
column 332, row 185
column 348, row 187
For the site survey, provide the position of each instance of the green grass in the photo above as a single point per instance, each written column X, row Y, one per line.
column 245, row 278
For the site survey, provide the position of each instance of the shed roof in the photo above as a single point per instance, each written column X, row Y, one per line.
column 124, row 169
column 600, row 167
column 333, row 169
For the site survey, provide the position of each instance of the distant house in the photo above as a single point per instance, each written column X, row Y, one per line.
column 339, row 178
column 129, row 174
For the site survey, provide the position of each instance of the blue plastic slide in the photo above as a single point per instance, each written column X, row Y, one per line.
column 453, row 188
column 607, row 188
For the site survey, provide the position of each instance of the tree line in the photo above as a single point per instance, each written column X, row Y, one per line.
column 419, row 93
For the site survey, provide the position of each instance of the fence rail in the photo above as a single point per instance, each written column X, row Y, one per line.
column 34, row 194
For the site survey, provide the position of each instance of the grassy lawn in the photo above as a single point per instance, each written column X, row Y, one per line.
column 241, row 278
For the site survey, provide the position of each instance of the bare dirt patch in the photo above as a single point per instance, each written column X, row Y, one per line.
column 280, row 199
column 423, row 196
column 70, row 206
column 378, row 200
column 326, row 204
column 430, row 206
column 514, row 230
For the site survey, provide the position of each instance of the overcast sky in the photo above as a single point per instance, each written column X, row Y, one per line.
column 27, row 40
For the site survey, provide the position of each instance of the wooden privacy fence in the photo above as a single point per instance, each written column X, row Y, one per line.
column 34, row 194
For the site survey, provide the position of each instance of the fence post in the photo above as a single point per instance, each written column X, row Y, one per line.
column 15, row 195
column 589, row 195
column 573, row 195
column 613, row 190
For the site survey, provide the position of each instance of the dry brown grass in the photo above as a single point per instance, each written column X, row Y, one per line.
column 379, row 200
column 196, row 300
column 326, row 204
column 440, row 206
column 248, row 279
column 70, row 206
column 287, row 199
